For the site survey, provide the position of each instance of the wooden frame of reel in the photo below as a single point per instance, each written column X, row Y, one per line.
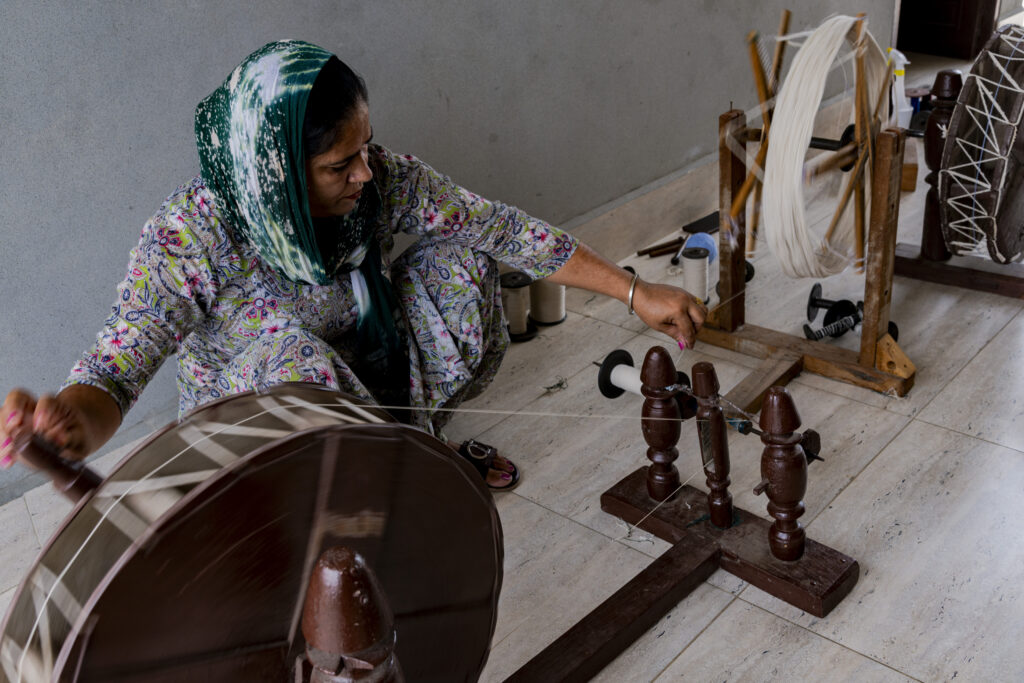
column 880, row 364
column 706, row 530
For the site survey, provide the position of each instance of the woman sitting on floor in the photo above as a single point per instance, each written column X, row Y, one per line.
column 273, row 266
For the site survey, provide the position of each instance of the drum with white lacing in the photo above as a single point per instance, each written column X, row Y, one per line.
column 191, row 559
column 981, row 181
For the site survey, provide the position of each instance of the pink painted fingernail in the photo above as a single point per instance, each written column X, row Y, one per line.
column 12, row 416
column 6, row 461
column 6, row 443
column 682, row 344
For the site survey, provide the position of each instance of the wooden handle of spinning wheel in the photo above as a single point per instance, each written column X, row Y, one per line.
column 71, row 478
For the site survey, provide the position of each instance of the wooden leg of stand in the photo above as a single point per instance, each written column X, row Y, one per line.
column 885, row 197
column 732, row 127
column 586, row 648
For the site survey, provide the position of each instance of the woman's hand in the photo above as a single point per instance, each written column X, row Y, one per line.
column 78, row 420
column 670, row 310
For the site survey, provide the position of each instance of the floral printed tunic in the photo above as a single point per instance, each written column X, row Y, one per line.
column 193, row 286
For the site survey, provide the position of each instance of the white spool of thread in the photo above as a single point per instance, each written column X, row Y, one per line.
column 695, row 272
column 547, row 302
column 515, row 301
column 618, row 375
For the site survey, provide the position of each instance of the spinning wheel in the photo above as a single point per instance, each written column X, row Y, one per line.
column 193, row 556
column 981, row 181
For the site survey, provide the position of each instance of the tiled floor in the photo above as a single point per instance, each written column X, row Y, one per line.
column 924, row 491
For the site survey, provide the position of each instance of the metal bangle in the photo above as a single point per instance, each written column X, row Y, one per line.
column 632, row 290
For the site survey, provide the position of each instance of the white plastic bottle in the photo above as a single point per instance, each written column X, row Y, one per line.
column 902, row 110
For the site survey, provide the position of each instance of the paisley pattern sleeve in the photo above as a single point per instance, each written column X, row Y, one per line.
column 168, row 285
column 419, row 200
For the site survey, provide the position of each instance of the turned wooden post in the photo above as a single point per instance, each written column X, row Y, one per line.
column 661, row 433
column 946, row 89
column 784, row 470
column 70, row 477
column 714, row 444
column 347, row 623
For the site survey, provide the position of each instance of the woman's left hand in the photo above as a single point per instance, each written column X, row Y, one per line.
column 669, row 309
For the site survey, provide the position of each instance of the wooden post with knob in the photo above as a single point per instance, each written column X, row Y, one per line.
column 347, row 623
column 784, row 469
column 714, row 444
column 661, row 424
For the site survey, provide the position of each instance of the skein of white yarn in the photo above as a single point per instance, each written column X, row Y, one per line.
column 801, row 253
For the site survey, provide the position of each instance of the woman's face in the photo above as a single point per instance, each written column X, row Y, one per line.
column 335, row 178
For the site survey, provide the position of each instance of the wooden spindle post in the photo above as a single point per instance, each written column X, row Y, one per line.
column 784, row 468
column 661, row 433
column 714, row 444
column 347, row 623
column 946, row 89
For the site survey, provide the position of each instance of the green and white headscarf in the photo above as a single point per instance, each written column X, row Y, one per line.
column 249, row 135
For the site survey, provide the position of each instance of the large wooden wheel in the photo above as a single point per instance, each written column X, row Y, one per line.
column 191, row 559
column 981, row 181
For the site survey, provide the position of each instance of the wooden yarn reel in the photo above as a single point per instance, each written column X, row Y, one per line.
column 852, row 149
column 880, row 364
column 981, row 182
column 193, row 556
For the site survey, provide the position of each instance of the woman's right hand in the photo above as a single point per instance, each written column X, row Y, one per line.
column 56, row 419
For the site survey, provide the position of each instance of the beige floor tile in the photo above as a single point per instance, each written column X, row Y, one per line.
column 556, row 571
column 48, row 509
column 746, row 643
column 986, row 399
column 557, row 352
column 662, row 643
column 934, row 523
column 18, row 542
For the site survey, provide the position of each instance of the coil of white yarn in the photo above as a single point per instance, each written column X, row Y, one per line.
column 800, row 252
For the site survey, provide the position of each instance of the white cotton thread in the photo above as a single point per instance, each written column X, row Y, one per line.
column 799, row 252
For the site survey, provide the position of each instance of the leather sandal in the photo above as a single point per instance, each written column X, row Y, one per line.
column 482, row 456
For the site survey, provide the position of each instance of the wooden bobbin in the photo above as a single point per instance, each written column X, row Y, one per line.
column 784, row 470
column 347, row 623
column 714, row 444
column 662, row 432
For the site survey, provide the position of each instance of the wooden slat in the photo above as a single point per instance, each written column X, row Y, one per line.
column 1010, row 282
column 732, row 170
column 886, row 175
column 776, row 370
column 586, row 648
column 818, row 357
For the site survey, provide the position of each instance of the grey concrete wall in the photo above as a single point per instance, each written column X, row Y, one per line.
column 557, row 107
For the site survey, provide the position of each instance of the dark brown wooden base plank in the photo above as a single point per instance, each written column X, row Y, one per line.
column 586, row 648
column 1009, row 283
column 815, row 583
